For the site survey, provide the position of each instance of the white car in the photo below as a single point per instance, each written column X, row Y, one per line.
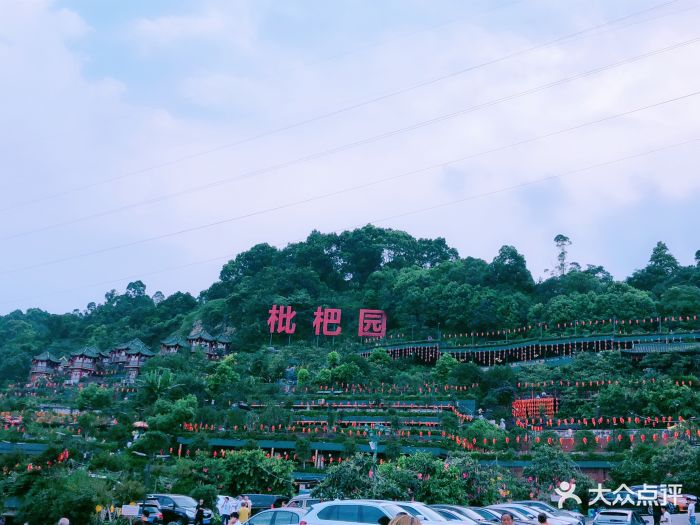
column 425, row 513
column 530, row 514
column 618, row 517
column 540, row 506
column 354, row 512
column 281, row 516
column 302, row 501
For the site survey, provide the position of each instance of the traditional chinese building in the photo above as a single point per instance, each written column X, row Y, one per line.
column 44, row 366
column 213, row 347
column 173, row 345
column 104, row 359
column 137, row 354
column 83, row 363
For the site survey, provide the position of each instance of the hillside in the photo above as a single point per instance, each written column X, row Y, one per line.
column 425, row 287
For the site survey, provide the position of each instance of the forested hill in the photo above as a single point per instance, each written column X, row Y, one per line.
column 420, row 283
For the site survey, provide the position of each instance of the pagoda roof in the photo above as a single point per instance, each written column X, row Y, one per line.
column 203, row 335
column 175, row 340
column 88, row 351
column 134, row 347
column 223, row 339
column 46, row 356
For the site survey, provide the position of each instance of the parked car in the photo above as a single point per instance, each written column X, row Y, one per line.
column 425, row 513
column 541, row 506
column 530, row 514
column 303, row 501
column 352, row 512
column 178, row 509
column 618, row 517
column 553, row 515
column 488, row 514
column 467, row 512
column 281, row 516
column 683, row 501
column 519, row 518
column 261, row 502
column 155, row 515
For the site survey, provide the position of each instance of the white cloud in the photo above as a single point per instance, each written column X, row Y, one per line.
column 65, row 129
column 224, row 23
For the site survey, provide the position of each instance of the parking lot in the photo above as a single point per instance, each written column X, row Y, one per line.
column 676, row 519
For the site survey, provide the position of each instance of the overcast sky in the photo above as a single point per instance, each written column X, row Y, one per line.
column 136, row 141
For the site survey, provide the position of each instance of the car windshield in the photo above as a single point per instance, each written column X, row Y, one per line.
column 528, row 513
column 392, row 510
column 429, row 513
column 486, row 514
column 518, row 513
column 184, row 501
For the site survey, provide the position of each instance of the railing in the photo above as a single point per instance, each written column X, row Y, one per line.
column 42, row 370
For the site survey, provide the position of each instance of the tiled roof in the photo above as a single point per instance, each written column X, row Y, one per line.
column 88, row 351
column 175, row 340
column 134, row 347
column 203, row 335
column 46, row 356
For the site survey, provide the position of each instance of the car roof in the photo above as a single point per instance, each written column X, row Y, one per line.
column 296, row 510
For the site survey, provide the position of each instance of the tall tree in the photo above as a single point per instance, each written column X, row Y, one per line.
column 562, row 242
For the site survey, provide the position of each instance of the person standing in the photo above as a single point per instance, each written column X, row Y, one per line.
column 691, row 511
column 666, row 517
column 244, row 511
column 656, row 513
column 233, row 520
column 225, row 510
column 236, row 504
column 199, row 513
column 542, row 518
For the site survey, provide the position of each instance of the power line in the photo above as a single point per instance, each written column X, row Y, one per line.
column 335, row 192
column 359, row 49
column 343, row 109
column 361, row 142
column 404, row 214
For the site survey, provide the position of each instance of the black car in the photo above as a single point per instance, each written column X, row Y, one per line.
column 260, row 502
column 155, row 516
column 178, row 509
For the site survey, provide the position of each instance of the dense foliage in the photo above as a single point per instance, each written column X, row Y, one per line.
column 422, row 284
column 425, row 287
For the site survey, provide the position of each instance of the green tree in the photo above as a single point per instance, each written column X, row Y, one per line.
column 94, row 397
column 562, row 242
column 302, row 448
column 444, row 368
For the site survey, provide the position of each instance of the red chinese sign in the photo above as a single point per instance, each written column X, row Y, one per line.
column 323, row 317
column 280, row 320
column 372, row 323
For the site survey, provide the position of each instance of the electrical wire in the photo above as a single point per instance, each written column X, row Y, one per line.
column 330, row 194
column 354, row 144
column 343, row 109
column 425, row 209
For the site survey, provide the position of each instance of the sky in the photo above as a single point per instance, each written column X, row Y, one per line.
column 156, row 140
